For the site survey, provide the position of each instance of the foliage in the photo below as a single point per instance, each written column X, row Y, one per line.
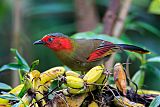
column 155, row 7
column 138, row 78
column 154, row 59
column 9, row 97
column 20, row 65
column 146, row 65
column 155, row 102
column 5, row 86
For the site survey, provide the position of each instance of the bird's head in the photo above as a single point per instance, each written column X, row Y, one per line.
column 56, row 41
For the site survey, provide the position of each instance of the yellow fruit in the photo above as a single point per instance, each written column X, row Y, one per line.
column 80, row 90
column 120, row 78
column 35, row 79
column 17, row 89
column 26, row 99
column 37, row 87
column 74, row 82
column 93, row 104
column 34, row 74
column 63, row 86
column 3, row 101
column 90, row 88
column 94, row 74
column 72, row 73
column 101, row 79
column 75, row 91
column 46, row 86
column 51, row 74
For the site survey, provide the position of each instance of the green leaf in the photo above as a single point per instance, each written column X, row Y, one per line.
column 148, row 27
column 20, row 76
column 134, row 55
column 13, row 66
column 153, row 69
column 138, row 78
column 155, row 102
column 17, row 104
column 154, row 59
column 9, row 97
column 98, row 29
column 4, row 86
column 34, row 63
column 126, row 39
column 155, row 7
column 23, row 90
column 21, row 65
column 27, row 85
column 140, row 26
column 21, row 60
column 54, row 84
column 91, row 35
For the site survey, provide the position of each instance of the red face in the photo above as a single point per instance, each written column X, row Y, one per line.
column 56, row 43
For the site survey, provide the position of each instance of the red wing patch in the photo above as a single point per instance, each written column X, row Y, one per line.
column 95, row 55
column 99, row 53
column 104, row 49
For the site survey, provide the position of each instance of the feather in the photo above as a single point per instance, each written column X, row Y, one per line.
column 104, row 49
column 133, row 48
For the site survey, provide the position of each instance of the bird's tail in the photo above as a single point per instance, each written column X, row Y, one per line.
column 133, row 48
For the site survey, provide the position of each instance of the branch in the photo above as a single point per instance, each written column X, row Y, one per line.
column 118, row 26
column 121, row 18
column 110, row 16
column 15, row 43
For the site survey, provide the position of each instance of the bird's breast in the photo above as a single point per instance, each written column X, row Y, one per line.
column 77, row 62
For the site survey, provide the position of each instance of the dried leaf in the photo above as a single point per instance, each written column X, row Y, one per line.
column 60, row 100
column 93, row 104
column 120, row 101
column 76, row 101
column 120, row 78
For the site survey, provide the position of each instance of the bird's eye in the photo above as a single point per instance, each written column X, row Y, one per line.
column 50, row 39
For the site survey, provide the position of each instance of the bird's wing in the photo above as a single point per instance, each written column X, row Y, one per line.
column 105, row 48
column 84, row 47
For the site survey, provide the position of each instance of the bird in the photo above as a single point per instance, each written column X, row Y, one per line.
column 83, row 54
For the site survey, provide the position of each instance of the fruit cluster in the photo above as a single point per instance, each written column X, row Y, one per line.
column 36, row 86
column 36, row 83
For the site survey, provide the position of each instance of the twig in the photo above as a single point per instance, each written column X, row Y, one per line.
column 110, row 16
column 121, row 18
column 115, row 95
column 46, row 95
column 127, row 68
column 95, row 84
column 17, row 16
column 118, row 26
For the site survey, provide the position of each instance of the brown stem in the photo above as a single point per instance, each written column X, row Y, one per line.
column 118, row 26
column 86, row 15
column 121, row 18
column 110, row 16
column 15, row 43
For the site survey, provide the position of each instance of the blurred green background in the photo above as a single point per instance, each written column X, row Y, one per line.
column 32, row 19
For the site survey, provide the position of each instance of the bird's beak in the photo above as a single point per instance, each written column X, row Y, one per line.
column 38, row 42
